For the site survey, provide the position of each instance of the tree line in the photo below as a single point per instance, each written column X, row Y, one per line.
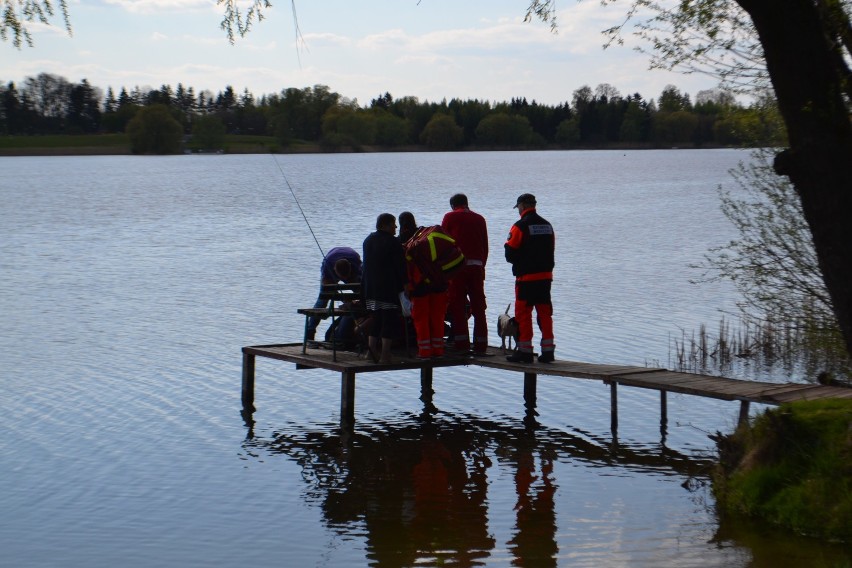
column 600, row 117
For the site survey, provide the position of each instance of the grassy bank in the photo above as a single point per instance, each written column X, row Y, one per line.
column 792, row 468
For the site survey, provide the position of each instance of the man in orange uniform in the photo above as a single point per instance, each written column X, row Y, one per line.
column 530, row 249
column 428, row 294
column 468, row 285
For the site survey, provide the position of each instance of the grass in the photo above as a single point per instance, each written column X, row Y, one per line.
column 792, row 468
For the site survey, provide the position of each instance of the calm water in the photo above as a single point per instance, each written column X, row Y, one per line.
column 129, row 285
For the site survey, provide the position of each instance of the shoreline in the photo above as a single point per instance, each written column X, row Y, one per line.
column 44, row 151
column 119, row 145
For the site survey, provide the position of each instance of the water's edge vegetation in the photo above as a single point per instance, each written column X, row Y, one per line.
column 792, row 468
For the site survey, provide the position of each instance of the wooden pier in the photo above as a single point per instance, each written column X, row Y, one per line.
column 349, row 364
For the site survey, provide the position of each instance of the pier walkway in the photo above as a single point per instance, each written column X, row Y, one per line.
column 349, row 364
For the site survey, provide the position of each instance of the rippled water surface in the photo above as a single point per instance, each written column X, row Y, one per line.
column 129, row 285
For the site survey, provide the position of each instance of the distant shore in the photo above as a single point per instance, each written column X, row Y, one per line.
column 118, row 145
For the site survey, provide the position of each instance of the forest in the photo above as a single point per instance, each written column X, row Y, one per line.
column 602, row 117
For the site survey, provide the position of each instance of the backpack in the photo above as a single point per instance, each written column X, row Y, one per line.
column 435, row 253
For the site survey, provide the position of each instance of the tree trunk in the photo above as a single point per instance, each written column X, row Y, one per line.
column 808, row 83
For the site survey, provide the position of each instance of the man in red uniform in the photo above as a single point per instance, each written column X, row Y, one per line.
column 530, row 249
column 468, row 285
column 428, row 308
column 431, row 257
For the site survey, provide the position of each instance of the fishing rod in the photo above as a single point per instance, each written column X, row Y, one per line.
column 299, row 205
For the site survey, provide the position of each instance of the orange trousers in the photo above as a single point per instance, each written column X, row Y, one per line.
column 544, row 318
column 428, row 313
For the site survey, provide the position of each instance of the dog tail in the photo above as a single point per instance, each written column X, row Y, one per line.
column 507, row 308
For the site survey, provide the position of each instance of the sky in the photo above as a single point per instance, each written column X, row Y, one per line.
column 429, row 49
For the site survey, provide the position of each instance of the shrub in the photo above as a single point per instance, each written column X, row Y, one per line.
column 792, row 468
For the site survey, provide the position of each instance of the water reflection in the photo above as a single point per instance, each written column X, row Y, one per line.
column 417, row 486
column 534, row 541
column 778, row 548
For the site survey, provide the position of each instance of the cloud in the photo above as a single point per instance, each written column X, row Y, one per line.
column 426, row 59
column 213, row 41
column 157, row 6
column 579, row 32
column 57, row 28
column 394, row 38
column 326, row 39
column 492, row 37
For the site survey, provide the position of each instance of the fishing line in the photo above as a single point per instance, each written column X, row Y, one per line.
column 299, row 205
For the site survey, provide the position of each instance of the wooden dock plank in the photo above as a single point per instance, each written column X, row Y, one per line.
column 777, row 389
column 732, row 389
column 692, row 388
column 664, row 380
column 670, row 381
column 347, row 361
column 746, row 390
column 814, row 393
column 573, row 369
column 601, row 370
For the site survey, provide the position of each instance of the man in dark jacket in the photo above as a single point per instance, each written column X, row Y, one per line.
column 383, row 280
column 530, row 249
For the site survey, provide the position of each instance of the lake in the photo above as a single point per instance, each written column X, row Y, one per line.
column 129, row 285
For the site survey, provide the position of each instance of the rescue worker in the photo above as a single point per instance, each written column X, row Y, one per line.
column 530, row 249
column 468, row 285
column 340, row 264
column 428, row 295
column 383, row 281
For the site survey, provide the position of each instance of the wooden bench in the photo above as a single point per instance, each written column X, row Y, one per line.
column 340, row 298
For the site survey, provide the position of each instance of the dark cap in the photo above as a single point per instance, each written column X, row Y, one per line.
column 525, row 198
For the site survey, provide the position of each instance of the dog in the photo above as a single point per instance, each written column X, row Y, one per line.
column 507, row 328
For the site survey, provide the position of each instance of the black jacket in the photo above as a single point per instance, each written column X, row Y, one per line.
column 384, row 267
column 530, row 247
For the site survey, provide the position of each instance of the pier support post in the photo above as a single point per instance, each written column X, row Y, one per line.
column 530, row 400
column 347, row 398
column 248, row 382
column 530, row 380
column 743, row 419
column 426, row 391
column 613, row 402
column 664, row 414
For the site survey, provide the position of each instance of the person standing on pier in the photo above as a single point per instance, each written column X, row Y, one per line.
column 427, row 285
column 383, row 280
column 468, row 285
column 407, row 226
column 530, row 250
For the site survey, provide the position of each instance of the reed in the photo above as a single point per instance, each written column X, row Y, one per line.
column 797, row 346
